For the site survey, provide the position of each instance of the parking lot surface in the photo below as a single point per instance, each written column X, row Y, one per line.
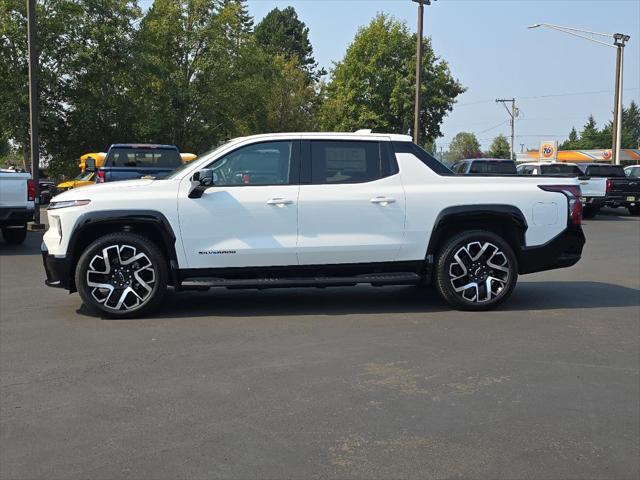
column 329, row 383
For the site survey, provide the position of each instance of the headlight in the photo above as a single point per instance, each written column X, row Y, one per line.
column 68, row 203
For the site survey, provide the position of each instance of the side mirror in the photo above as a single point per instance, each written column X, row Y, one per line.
column 90, row 165
column 201, row 181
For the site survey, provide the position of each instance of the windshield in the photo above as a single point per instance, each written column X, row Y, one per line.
column 568, row 170
column 605, row 171
column 84, row 176
column 184, row 166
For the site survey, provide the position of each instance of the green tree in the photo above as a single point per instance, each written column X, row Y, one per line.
column 499, row 148
column 373, row 85
column 281, row 32
column 631, row 126
column 292, row 101
column 464, row 145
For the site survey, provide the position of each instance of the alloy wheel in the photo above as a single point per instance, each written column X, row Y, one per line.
column 121, row 277
column 479, row 272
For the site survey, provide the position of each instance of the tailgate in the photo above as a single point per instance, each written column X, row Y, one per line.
column 593, row 187
column 13, row 189
column 624, row 186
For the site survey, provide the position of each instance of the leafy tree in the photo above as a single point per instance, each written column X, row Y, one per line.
column 281, row 32
column 464, row 145
column 499, row 148
column 373, row 85
column 292, row 101
column 631, row 126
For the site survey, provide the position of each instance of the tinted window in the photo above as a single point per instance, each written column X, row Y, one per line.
column 347, row 162
column 558, row 169
column 265, row 163
column 493, row 167
column 143, row 157
column 633, row 172
column 605, row 171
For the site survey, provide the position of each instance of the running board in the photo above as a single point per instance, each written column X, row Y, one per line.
column 376, row 279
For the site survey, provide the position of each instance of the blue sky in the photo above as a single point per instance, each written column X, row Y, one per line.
column 491, row 51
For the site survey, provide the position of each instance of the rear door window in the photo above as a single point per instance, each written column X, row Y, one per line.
column 605, row 171
column 493, row 167
column 556, row 169
column 143, row 157
column 334, row 162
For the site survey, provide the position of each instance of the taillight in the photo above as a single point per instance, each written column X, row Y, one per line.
column 572, row 192
column 609, row 185
column 31, row 190
column 100, row 176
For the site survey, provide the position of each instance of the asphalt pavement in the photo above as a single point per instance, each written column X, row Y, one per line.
column 358, row 382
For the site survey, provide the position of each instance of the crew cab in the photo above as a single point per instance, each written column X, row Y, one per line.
column 17, row 205
column 125, row 161
column 593, row 189
column 621, row 191
column 310, row 209
column 484, row 166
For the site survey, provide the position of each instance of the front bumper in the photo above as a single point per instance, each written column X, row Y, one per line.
column 562, row 251
column 57, row 270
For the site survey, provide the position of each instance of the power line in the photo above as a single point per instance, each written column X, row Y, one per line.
column 551, row 95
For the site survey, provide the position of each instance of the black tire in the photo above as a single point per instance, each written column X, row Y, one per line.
column 14, row 235
column 634, row 210
column 589, row 212
column 494, row 272
column 135, row 286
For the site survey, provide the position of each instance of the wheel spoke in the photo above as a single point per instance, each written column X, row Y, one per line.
column 121, row 277
column 479, row 271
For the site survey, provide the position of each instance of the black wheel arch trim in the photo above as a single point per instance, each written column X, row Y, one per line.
column 122, row 218
column 489, row 211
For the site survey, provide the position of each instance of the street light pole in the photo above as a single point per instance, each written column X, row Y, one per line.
column 419, row 50
column 34, row 115
column 619, row 41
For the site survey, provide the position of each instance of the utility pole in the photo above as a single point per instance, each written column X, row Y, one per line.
column 619, row 40
column 419, row 49
column 513, row 113
column 34, row 115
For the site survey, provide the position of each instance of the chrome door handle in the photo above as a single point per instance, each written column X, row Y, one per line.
column 384, row 201
column 279, row 202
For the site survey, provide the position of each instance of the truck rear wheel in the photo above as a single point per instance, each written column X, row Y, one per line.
column 634, row 210
column 476, row 270
column 14, row 235
column 122, row 274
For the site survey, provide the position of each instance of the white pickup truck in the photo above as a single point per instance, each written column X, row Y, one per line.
column 593, row 189
column 310, row 209
column 17, row 195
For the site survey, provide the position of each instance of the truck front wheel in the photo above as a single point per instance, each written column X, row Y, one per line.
column 476, row 270
column 122, row 274
column 14, row 235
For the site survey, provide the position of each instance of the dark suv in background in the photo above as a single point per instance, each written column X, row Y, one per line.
column 126, row 161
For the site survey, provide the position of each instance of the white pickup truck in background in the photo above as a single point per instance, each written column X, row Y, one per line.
column 593, row 189
column 17, row 205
